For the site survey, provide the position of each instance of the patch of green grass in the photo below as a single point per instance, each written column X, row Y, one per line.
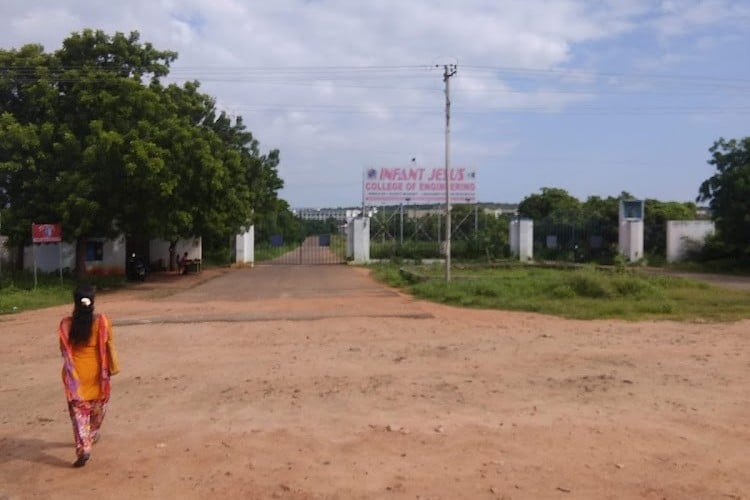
column 14, row 299
column 18, row 293
column 409, row 249
column 583, row 293
column 390, row 274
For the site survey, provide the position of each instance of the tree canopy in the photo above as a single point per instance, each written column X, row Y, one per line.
column 92, row 139
column 728, row 193
column 552, row 203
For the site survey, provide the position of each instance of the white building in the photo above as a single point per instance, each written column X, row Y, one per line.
column 106, row 256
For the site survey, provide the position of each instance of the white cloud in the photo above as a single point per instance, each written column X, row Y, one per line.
column 274, row 62
column 679, row 18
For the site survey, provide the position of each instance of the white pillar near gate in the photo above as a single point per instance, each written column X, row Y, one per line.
column 630, row 242
column 358, row 240
column 522, row 239
column 350, row 239
column 245, row 247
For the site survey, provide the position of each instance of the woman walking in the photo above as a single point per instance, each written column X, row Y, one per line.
column 88, row 353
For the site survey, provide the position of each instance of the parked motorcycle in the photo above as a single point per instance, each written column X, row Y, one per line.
column 135, row 268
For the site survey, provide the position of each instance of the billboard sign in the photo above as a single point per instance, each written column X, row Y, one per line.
column 46, row 233
column 417, row 185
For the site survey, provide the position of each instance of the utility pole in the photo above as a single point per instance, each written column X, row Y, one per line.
column 402, row 224
column 449, row 70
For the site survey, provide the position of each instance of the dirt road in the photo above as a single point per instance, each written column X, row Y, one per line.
column 315, row 382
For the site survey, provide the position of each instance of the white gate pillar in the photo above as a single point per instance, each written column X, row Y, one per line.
column 245, row 247
column 358, row 240
column 522, row 239
column 630, row 241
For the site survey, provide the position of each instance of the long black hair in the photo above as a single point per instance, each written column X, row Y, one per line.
column 83, row 314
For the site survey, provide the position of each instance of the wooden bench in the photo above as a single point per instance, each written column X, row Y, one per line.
column 193, row 266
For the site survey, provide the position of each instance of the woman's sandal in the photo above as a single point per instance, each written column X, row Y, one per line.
column 82, row 459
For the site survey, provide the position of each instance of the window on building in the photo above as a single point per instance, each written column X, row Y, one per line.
column 94, row 251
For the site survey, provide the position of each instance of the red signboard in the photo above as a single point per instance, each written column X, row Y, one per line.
column 46, row 233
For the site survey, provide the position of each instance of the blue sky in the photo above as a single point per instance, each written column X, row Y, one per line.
column 596, row 97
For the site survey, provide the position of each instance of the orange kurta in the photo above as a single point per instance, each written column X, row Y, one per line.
column 87, row 363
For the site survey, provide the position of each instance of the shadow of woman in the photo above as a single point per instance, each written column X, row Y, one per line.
column 31, row 450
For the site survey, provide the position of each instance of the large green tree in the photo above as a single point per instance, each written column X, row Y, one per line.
column 27, row 139
column 553, row 204
column 92, row 139
column 728, row 193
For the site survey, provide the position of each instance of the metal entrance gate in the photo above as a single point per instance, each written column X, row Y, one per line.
column 418, row 232
column 321, row 249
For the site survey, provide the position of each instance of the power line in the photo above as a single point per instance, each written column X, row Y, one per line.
column 245, row 73
column 484, row 110
column 401, row 78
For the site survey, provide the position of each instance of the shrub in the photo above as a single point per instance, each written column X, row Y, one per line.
column 587, row 284
column 632, row 286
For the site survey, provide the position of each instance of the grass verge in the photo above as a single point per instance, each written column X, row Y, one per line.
column 18, row 293
column 582, row 293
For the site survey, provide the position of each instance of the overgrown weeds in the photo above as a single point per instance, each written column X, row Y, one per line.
column 583, row 293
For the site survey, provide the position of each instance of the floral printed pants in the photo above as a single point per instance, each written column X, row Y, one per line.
column 87, row 418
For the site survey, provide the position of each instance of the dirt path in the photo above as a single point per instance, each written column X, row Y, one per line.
column 315, row 382
column 310, row 252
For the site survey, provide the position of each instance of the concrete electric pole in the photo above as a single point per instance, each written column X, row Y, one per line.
column 449, row 70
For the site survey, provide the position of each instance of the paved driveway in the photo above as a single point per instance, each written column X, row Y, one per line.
column 271, row 292
column 264, row 282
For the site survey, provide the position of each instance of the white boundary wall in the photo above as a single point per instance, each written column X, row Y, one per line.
column 48, row 256
column 159, row 250
column 685, row 234
column 113, row 258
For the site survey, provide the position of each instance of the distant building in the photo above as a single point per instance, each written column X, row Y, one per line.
column 411, row 211
column 499, row 209
column 324, row 214
column 703, row 212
